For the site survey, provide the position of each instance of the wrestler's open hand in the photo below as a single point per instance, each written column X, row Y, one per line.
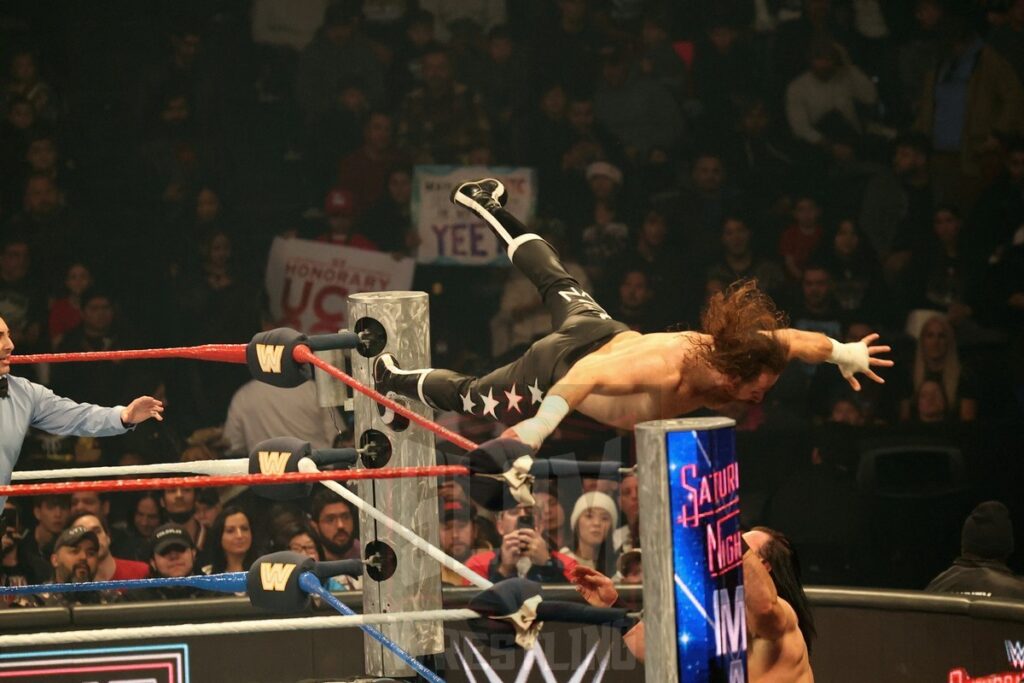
column 595, row 587
column 872, row 362
column 141, row 409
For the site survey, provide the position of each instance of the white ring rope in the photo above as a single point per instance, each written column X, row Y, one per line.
column 307, row 465
column 208, row 467
column 241, row 466
column 231, row 628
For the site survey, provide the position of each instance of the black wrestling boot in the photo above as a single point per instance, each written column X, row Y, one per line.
column 486, row 198
column 480, row 196
column 436, row 388
column 389, row 377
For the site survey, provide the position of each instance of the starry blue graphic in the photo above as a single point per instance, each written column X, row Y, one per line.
column 691, row 456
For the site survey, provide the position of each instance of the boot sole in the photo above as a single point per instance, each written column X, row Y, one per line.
column 469, row 202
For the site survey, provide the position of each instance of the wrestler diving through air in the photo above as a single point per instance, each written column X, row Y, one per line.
column 608, row 372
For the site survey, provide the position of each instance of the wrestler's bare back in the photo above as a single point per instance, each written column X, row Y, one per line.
column 659, row 366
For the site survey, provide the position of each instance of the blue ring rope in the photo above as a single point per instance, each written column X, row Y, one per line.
column 232, row 582
column 311, row 584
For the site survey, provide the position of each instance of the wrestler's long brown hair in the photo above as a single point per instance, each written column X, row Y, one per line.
column 785, row 573
column 736, row 319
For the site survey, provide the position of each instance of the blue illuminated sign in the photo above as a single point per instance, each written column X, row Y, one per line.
column 707, row 557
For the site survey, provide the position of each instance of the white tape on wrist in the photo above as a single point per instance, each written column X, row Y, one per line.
column 550, row 414
column 851, row 358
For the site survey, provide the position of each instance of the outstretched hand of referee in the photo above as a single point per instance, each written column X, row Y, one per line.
column 141, row 409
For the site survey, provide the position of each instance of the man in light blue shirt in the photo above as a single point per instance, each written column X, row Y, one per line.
column 25, row 404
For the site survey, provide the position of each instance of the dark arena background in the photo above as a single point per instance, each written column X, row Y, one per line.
column 238, row 208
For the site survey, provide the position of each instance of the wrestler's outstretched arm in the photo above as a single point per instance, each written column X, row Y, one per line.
column 618, row 373
column 853, row 357
column 767, row 617
column 599, row 591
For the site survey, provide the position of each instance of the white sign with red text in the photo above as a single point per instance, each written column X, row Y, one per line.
column 308, row 283
column 452, row 235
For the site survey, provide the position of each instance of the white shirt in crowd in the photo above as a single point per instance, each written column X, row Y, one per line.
column 808, row 98
column 259, row 411
column 287, row 23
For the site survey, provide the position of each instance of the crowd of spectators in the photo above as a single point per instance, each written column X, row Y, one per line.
column 862, row 159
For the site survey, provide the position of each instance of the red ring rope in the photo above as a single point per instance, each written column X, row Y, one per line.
column 223, row 353
column 302, row 354
column 235, row 353
column 120, row 485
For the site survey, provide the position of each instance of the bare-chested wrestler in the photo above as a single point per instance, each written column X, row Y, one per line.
column 608, row 372
column 780, row 625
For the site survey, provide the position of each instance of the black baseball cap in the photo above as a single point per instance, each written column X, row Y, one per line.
column 171, row 535
column 72, row 536
column 455, row 509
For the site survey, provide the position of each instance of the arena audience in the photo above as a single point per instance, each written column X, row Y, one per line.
column 258, row 412
column 459, row 537
column 231, row 546
column 75, row 559
column 299, row 538
column 592, row 522
column 341, row 211
column 972, row 97
column 636, row 306
column 986, row 543
column 337, row 524
column 442, row 119
column 890, row 193
column 100, row 330
column 857, row 280
column 523, row 551
column 208, row 507
column 388, row 223
column 830, row 86
column 172, row 556
column 364, row 172
column 144, row 515
column 108, row 567
column 800, row 240
column 98, row 505
column 339, row 51
column 627, row 536
column 552, row 513
column 51, row 513
column 738, row 260
column 12, row 571
column 66, row 311
column 179, row 505
column 22, row 296
column 937, row 361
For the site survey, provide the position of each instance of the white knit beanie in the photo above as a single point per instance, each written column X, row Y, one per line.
column 594, row 499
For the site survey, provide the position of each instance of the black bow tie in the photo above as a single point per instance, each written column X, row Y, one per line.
column 3, row 387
